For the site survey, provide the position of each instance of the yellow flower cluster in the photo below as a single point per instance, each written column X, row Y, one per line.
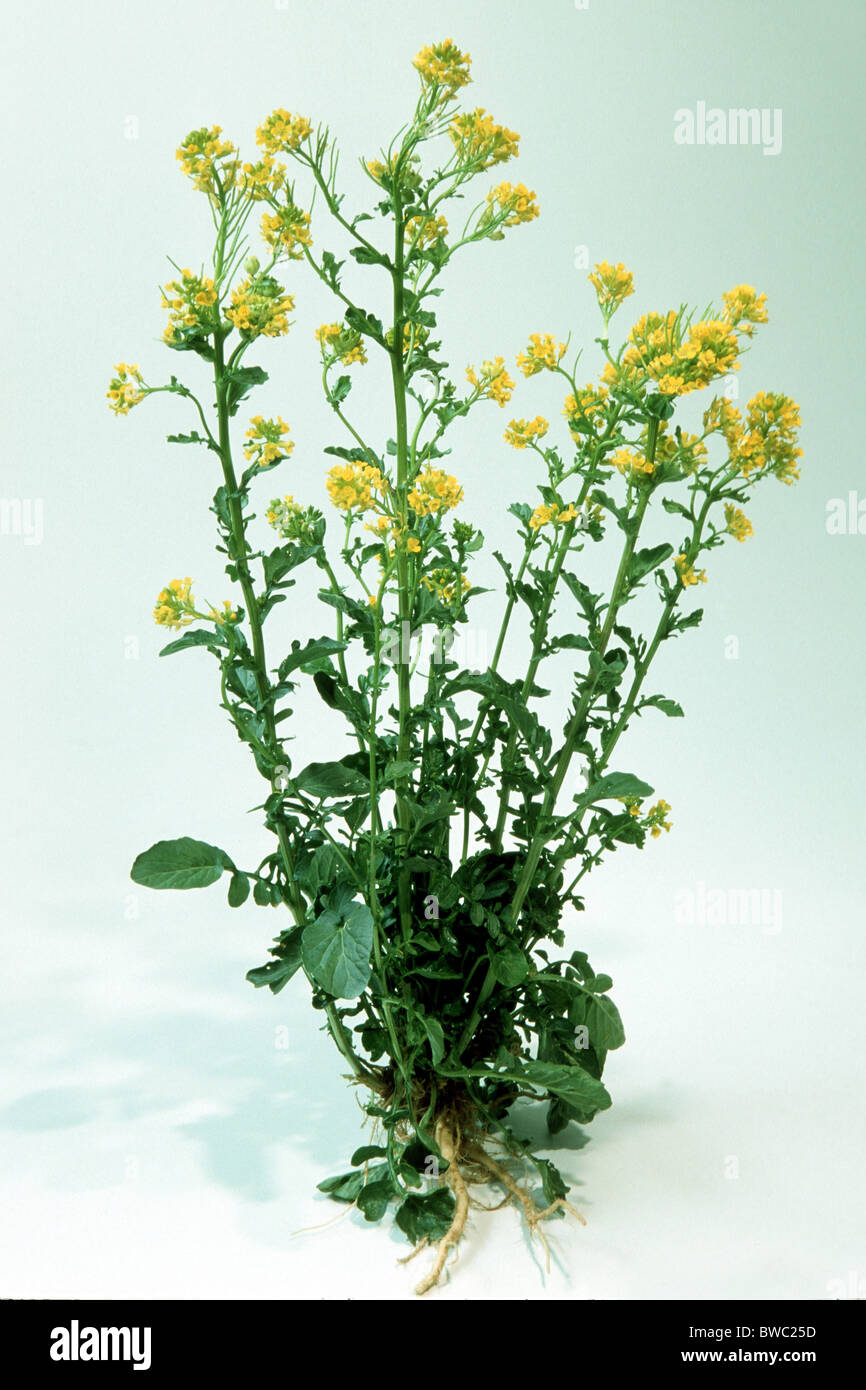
column 494, row 383
column 520, row 433
column 351, row 486
column 264, row 178
column 210, row 162
column 686, row 574
column 175, row 606
column 767, row 439
column 443, row 66
column 480, row 142
column 744, row 308
column 589, row 402
column 192, row 305
column 444, row 584
column 260, row 308
column 434, row 491
column 292, row 521
column 612, row 284
column 423, row 231
column 269, row 442
column 551, row 512
column 737, row 523
column 631, row 463
column 124, row 389
column 283, row 131
column 228, row 615
column 656, row 819
column 543, row 353
column 410, row 177
column 289, row 229
column 659, row 349
column 338, row 340
column 509, row 204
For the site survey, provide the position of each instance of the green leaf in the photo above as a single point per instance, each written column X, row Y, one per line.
column 345, row 1187
column 336, row 950
column 614, row 785
column 427, row 1215
column 367, row 1152
column 199, row 638
column 240, row 381
column 193, row 438
column 314, row 650
column 182, row 863
column 552, row 1182
column 277, row 973
column 331, row 780
column 433, row 1029
column 646, row 560
column 570, row 1083
column 668, row 707
column 600, row 1016
column 239, row 890
column 373, row 1199
column 510, row 965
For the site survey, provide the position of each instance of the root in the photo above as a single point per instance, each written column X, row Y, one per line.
column 533, row 1214
column 448, row 1140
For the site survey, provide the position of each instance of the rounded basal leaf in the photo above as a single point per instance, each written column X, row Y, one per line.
column 183, row 863
column 336, row 950
column 427, row 1215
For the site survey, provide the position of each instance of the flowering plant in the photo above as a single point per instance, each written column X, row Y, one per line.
column 426, row 871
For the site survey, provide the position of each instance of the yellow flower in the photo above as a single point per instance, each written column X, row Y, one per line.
column 175, row 606
column 443, row 67
column 656, row 819
column 423, row 231
column 293, row 522
column 613, row 284
column 228, row 615
column 737, row 523
column 193, row 309
column 520, row 433
column 631, row 463
column 289, row 229
column 443, row 582
column 508, row 205
column 686, row 574
column 351, row 486
column 210, row 162
column 260, row 307
column 589, row 402
column 494, row 383
column 551, row 512
column 269, row 442
column 338, row 340
column 434, row 491
column 744, row 307
column 543, row 353
column 480, row 142
column 263, row 179
column 678, row 364
column 124, row 389
column 283, row 131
